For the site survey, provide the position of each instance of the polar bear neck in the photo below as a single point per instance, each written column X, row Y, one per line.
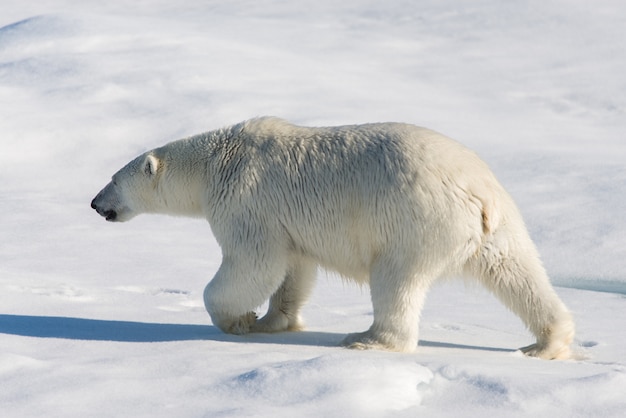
column 181, row 185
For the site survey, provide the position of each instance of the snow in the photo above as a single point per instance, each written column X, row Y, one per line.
column 102, row 319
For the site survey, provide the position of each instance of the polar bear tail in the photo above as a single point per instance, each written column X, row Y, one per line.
column 490, row 215
column 487, row 195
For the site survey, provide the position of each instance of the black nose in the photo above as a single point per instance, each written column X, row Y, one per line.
column 93, row 204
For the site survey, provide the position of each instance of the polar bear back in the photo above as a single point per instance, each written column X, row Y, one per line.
column 348, row 195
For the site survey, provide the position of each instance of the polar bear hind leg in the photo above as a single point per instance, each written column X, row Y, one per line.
column 398, row 295
column 519, row 280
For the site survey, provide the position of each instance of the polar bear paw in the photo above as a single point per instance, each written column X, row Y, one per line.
column 278, row 322
column 550, row 352
column 238, row 326
column 554, row 343
column 366, row 341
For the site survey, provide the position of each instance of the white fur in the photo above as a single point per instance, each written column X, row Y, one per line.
column 392, row 205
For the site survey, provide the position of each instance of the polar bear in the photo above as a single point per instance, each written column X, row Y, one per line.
column 391, row 205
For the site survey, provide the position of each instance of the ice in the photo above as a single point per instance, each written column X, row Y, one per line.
column 100, row 319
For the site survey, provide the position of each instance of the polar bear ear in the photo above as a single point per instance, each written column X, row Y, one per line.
column 151, row 165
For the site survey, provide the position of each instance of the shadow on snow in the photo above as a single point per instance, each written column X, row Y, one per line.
column 143, row 332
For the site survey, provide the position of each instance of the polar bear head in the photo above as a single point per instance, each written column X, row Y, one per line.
column 169, row 180
column 132, row 190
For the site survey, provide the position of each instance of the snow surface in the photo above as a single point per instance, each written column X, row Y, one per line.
column 100, row 319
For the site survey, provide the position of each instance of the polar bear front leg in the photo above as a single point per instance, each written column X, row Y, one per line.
column 284, row 310
column 237, row 289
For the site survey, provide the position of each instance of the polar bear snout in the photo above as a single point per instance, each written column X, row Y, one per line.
column 108, row 204
column 108, row 214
